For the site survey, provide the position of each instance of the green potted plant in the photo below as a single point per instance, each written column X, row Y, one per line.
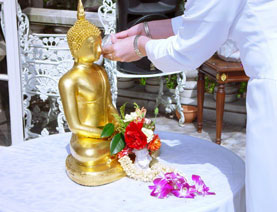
column 171, row 82
column 189, row 111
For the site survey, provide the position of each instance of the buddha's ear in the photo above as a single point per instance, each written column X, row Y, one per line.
column 74, row 48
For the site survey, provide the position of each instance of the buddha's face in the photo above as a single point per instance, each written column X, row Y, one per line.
column 90, row 50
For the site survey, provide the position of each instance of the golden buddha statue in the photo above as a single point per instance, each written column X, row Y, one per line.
column 87, row 104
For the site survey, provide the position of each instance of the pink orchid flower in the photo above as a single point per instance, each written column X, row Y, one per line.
column 173, row 183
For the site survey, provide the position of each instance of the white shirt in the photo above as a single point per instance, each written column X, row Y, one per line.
column 207, row 24
column 252, row 24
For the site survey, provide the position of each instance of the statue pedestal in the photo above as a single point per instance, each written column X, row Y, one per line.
column 90, row 162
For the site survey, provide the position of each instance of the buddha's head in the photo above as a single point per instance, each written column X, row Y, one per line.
column 84, row 38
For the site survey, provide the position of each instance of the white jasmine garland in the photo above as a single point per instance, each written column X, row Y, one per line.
column 149, row 134
column 146, row 175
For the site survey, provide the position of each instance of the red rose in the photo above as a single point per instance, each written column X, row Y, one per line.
column 134, row 137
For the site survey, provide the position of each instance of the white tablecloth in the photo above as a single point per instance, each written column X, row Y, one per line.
column 33, row 178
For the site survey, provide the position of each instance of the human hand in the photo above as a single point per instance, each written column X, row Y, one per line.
column 123, row 49
column 134, row 30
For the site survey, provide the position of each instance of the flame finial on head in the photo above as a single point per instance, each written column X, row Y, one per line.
column 80, row 11
column 81, row 30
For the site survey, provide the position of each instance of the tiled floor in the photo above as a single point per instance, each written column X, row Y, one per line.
column 233, row 136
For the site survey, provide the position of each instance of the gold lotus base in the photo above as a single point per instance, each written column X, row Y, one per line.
column 93, row 175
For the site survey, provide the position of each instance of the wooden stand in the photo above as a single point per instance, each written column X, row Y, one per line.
column 222, row 72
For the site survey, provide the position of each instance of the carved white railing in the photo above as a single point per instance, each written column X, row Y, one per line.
column 44, row 59
column 107, row 16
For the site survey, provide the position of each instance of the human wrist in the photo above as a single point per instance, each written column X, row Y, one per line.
column 139, row 45
column 141, row 29
column 136, row 47
column 142, row 40
column 146, row 29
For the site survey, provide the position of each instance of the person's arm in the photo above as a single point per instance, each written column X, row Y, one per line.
column 156, row 29
column 202, row 29
column 126, row 39
column 205, row 27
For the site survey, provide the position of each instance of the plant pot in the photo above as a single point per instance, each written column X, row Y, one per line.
column 153, row 81
column 190, row 85
column 171, row 90
column 191, row 74
column 154, row 88
column 230, row 93
column 188, row 93
column 190, row 113
column 124, row 83
column 228, row 97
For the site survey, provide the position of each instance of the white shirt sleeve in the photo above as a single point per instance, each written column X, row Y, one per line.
column 202, row 29
column 176, row 24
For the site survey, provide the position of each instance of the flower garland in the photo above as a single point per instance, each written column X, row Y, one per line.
column 175, row 184
column 145, row 175
column 134, row 136
column 172, row 183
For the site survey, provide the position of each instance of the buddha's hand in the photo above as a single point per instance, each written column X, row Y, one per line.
column 90, row 133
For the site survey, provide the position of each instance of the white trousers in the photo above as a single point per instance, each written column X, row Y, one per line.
column 261, row 146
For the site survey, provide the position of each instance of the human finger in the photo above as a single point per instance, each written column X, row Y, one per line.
column 109, row 56
column 107, row 49
column 113, row 38
column 122, row 34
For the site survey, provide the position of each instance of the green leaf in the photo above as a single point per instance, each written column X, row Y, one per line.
column 142, row 81
column 122, row 110
column 156, row 111
column 117, row 117
column 108, row 130
column 117, row 144
column 136, row 106
column 122, row 124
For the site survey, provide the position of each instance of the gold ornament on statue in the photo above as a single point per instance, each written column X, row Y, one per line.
column 87, row 104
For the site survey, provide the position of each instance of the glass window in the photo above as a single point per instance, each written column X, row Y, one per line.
column 5, row 131
column 89, row 5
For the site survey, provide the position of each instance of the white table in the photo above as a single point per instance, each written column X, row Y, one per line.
column 33, row 178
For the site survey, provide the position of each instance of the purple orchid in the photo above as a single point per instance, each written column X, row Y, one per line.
column 175, row 180
column 161, row 188
column 200, row 186
column 173, row 183
column 185, row 191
